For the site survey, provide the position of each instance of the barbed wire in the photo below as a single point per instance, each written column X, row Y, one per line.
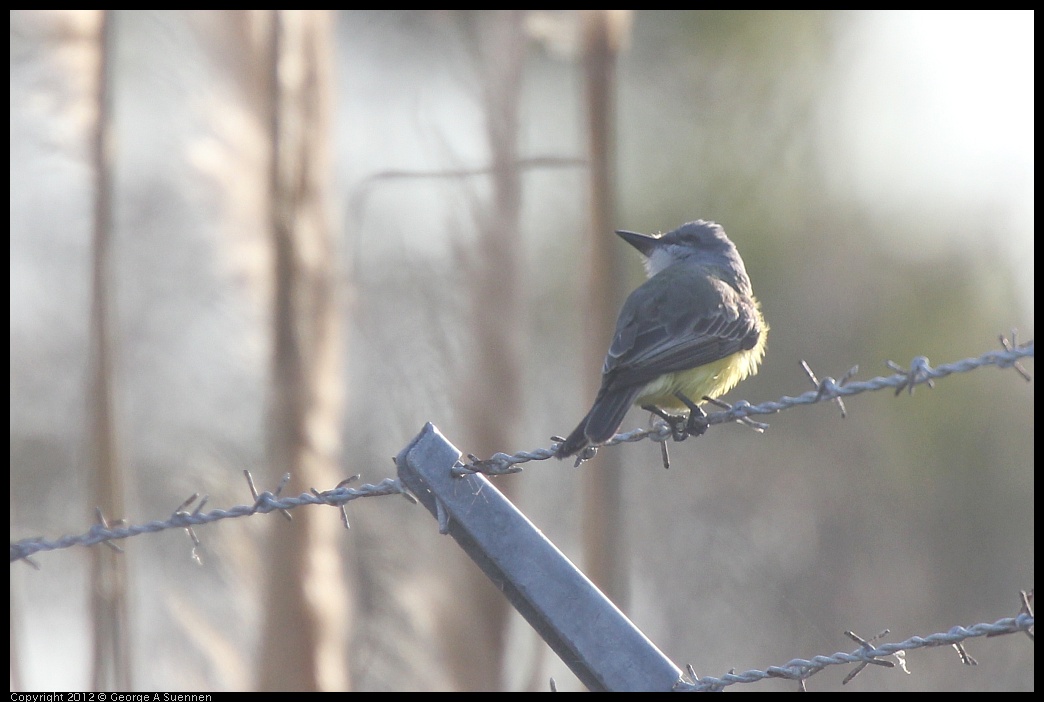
column 920, row 372
column 264, row 502
column 800, row 669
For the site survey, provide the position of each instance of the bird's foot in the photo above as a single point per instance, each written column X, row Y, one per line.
column 679, row 424
column 696, row 424
column 683, row 426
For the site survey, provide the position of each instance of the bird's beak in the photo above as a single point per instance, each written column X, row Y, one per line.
column 643, row 242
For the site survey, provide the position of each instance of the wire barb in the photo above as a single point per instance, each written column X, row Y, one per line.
column 1026, row 600
column 1011, row 346
column 919, row 372
column 180, row 512
column 965, row 658
column 105, row 526
column 830, row 385
column 344, row 509
column 740, row 405
column 865, row 643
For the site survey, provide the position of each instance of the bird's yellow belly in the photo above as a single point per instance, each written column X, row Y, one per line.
column 712, row 379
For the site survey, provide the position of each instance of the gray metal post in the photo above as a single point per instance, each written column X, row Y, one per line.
column 598, row 643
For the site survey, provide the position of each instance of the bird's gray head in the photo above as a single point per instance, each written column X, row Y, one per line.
column 701, row 241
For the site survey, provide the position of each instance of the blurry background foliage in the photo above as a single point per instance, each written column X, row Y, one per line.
column 874, row 169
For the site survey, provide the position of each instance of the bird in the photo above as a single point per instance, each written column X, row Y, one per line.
column 693, row 329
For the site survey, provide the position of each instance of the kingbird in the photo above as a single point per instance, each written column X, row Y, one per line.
column 693, row 329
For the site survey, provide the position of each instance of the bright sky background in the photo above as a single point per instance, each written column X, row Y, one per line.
column 939, row 104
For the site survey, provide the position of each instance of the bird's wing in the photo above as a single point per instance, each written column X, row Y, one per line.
column 674, row 323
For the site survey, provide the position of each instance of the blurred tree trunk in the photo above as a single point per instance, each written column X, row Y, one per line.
column 112, row 659
column 605, row 543
column 492, row 398
column 305, row 628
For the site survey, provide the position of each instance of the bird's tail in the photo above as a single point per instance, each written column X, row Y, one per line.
column 575, row 441
column 601, row 422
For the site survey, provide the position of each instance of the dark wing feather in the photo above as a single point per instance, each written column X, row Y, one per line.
column 668, row 325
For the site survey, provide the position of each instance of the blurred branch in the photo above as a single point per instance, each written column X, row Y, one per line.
column 307, row 602
column 490, row 393
column 603, row 528
column 109, row 609
column 362, row 192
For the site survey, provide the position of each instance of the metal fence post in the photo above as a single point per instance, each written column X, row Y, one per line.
column 591, row 635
